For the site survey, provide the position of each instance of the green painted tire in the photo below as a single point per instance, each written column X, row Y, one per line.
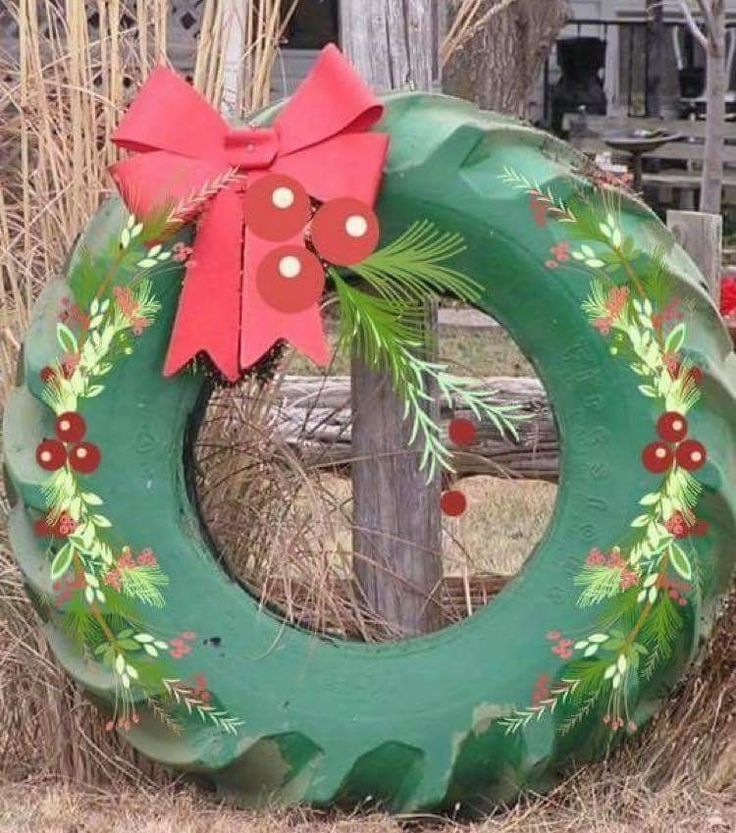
column 457, row 719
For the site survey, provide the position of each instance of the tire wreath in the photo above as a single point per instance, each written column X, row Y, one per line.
column 575, row 653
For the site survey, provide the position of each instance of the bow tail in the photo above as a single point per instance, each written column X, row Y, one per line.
column 208, row 316
column 263, row 325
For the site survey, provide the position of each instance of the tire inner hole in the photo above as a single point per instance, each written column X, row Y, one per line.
column 273, row 483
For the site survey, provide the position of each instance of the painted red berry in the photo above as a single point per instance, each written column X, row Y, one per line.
column 657, row 457
column 699, row 528
column 462, row 431
column 672, row 427
column 345, row 231
column 276, row 207
column 51, row 455
column 677, row 526
column 84, row 457
column 453, row 503
column 290, row 279
column 42, row 527
column 691, row 455
column 47, row 374
column 70, row 427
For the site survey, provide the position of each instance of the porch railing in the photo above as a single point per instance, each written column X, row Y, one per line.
column 632, row 61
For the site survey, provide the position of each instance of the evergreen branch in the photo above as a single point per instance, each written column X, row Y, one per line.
column 659, row 632
column 143, row 583
column 599, row 583
column 523, row 717
column 581, row 712
column 555, row 205
column 478, row 400
column 164, row 717
column 184, row 696
column 387, row 334
column 411, row 269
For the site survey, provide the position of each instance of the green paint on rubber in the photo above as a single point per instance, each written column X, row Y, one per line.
column 414, row 725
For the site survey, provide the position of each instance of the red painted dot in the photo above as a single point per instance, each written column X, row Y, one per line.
column 276, row 207
column 462, row 431
column 691, row 455
column 47, row 374
column 70, row 427
column 700, row 528
column 345, row 231
column 453, row 503
column 42, row 527
column 290, row 279
column 657, row 457
column 672, row 427
column 50, row 455
column 84, row 457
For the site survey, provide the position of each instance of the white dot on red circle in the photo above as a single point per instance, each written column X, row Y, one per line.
column 677, row 425
column 81, row 452
column 356, row 225
column 661, row 453
column 290, row 266
column 696, row 456
column 283, row 197
column 64, row 425
column 45, row 456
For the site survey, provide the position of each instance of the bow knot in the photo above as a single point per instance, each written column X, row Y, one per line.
column 250, row 148
column 235, row 303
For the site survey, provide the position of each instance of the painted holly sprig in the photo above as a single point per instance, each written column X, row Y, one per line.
column 644, row 581
column 97, row 578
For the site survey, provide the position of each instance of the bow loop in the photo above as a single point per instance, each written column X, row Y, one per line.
column 318, row 149
column 250, row 148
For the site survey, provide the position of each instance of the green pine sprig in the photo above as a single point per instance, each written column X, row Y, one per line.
column 388, row 334
column 413, row 267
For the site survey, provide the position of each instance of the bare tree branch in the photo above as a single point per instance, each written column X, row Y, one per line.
column 707, row 12
column 692, row 24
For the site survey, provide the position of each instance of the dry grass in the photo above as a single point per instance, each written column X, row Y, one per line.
column 679, row 778
column 60, row 771
column 286, row 533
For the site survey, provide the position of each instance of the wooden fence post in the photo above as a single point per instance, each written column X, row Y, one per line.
column 397, row 536
column 701, row 236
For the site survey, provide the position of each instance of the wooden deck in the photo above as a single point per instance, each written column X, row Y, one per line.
column 680, row 162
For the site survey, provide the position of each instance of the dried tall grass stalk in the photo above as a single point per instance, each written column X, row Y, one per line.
column 261, row 26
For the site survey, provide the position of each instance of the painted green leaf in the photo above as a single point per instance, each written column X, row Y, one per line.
column 100, row 520
column 66, row 338
column 675, row 339
column 641, row 520
column 62, row 561
column 681, row 563
column 85, row 279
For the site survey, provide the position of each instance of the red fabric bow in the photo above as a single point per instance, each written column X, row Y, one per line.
column 182, row 144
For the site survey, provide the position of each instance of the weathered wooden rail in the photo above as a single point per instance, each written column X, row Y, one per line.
column 315, row 418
